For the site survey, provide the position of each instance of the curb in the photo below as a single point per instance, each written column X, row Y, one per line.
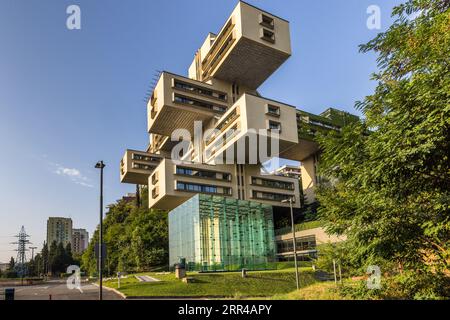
column 113, row 290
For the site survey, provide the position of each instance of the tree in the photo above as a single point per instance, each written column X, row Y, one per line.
column 35, row 269
column 45, row 259
column 68, row 256
column 12, row 264
column 52, row 257
column 11, row 272
column 59, row 261
column 388, row 177
column 136, row 239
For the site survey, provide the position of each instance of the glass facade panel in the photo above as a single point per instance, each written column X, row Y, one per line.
column 216, row 233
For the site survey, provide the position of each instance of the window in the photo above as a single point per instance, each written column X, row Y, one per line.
column 267, row 35
column 274, row 125
column 203, row 173
column 193, row 187
column 273, row 183
column 155, row 192
column 198, row 103
column 273, row 110
column 199, row 90
column 266, row 21
column 141, row 157
column 272, row 196
column 142, row 166
column 301, row 243
column 155, row 178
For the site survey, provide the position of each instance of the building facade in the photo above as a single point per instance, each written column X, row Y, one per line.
column 307, row 241
column 239, row 129
column 220, row 233
column 80, row 240
column 60, row 230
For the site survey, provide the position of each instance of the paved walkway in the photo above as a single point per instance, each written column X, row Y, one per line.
column 147, row 279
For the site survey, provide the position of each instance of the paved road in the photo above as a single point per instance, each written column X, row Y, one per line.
column 59, row 291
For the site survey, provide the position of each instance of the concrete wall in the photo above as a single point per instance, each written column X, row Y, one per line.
column 309, row 180
column 321, row 236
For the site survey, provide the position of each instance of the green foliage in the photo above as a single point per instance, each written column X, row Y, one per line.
column 388, row 186
column 411, row 285
column 300, row 226
column 333, row 251
column 10, row 272
column 11, row 265
column 136, row 239
column 59, row 257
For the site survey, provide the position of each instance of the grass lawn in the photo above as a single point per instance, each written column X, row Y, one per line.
column 316, row 291
column 320, row 291
column 226, row 284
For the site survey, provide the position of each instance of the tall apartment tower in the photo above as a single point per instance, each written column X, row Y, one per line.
column 60, row 230
column 222, row 203
column 80, row 240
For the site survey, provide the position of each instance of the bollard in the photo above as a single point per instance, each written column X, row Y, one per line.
column 49, row 297
column 244, row 273
column 9, row 294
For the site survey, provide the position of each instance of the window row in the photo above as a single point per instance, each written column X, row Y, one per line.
column 142, row 166
column 261, row 195
column 141, row 157
column 301, row 244
column 273, row 183
column 198, row 103
column 194, row 187
column 203, row 173
column 199, row 90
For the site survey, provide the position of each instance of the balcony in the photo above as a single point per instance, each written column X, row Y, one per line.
column 178, row 102
column 136, row 166
column 249, row 48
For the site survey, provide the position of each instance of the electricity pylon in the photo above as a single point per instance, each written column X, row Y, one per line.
column 22, row 242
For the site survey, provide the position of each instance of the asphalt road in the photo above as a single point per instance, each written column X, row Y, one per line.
column 59, row 291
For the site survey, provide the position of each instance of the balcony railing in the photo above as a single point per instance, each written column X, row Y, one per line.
column 220, row 46
column 223, row 125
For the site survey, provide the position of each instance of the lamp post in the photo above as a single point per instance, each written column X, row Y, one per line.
column 294, row 241
column 100, row 165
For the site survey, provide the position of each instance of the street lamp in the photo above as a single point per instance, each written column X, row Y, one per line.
column 100, row 165
column 293, row 240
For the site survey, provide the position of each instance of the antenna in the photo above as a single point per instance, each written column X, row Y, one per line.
column 153, row 83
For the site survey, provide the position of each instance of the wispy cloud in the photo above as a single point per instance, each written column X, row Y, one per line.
column 73, row 174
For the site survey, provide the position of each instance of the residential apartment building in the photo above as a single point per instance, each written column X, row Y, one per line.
column 4, row 267
column 219, row 99
column 80, row 240
column 60, row 230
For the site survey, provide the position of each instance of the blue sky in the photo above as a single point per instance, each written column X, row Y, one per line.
column 71, row 97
